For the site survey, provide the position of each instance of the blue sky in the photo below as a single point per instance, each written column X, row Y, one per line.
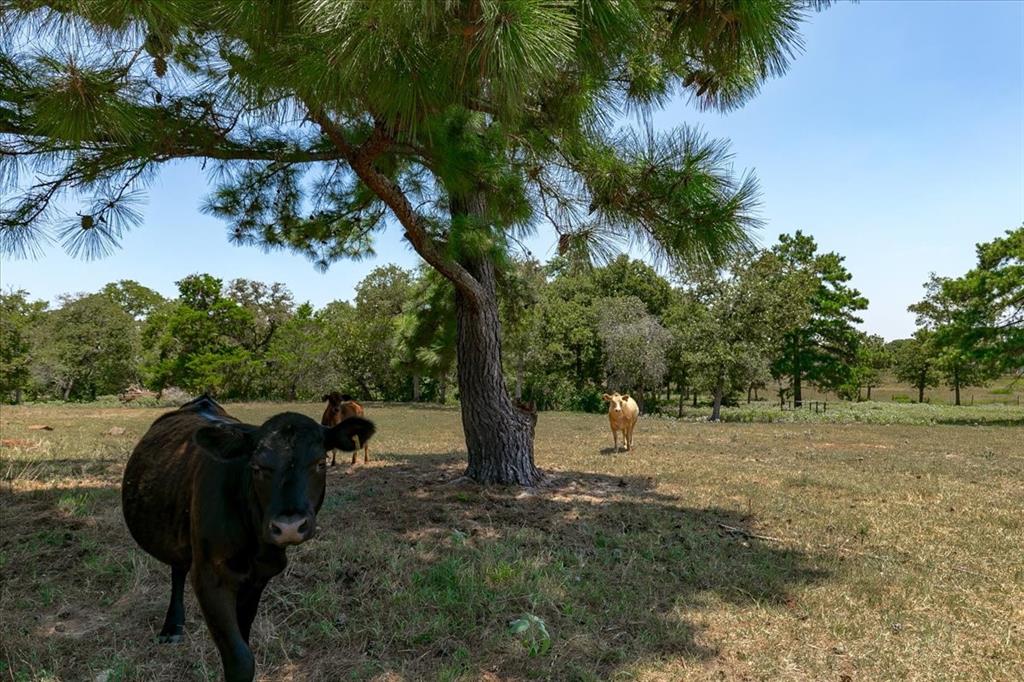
column 896, row 139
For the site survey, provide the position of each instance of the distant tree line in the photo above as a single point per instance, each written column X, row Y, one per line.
column 970, row 329
column 783, row 317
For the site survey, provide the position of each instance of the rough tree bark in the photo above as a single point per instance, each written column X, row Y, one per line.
column 499, row 436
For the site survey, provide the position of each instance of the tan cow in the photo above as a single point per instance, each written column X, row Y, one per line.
column 622, row 415
column 339, row 408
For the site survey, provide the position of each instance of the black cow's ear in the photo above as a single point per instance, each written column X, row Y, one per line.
column 344, row 436
column 223, row 442
column 325, row 398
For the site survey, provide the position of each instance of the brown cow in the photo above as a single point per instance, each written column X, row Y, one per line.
column 341, row 406
column 622, row 415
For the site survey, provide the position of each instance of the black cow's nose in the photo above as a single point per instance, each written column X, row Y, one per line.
column 291, row 529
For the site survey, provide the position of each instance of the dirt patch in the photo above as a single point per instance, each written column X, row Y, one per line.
column 70, row 623
column 20, row 443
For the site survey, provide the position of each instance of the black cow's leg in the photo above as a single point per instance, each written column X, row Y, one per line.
column 248, row 602
column 334, row 457
column 174, row 623
column 219, row 604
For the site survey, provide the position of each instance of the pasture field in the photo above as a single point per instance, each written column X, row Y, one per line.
column 1006, row 390
column 817, row 550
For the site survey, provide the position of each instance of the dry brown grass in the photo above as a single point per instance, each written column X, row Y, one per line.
column 729, row 551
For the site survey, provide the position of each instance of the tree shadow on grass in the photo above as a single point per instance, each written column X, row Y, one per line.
column 80, row 599
column 416, row 575
column 618, row 571
column 67, row 564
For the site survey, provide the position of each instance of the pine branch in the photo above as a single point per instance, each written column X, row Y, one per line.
column 176, row 148
column 361, row 161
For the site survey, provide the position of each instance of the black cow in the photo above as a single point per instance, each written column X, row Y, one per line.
column 341, row 406
column 206, row 493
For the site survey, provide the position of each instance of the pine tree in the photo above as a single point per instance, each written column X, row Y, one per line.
column 467, row 122
column 942, row 316
column 987, row 324
column 824, row 349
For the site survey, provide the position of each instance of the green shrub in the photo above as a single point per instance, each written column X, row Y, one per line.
column 586, row 399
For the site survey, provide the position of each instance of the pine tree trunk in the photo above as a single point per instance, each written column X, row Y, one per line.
column 17, row 396
column 750, row 391
column 442, row 389
column 499, row 436
column 415, row 388
column 956, row 385
column 695, row 397
column 920, row 390
column 869, row 393
column 682, row 397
